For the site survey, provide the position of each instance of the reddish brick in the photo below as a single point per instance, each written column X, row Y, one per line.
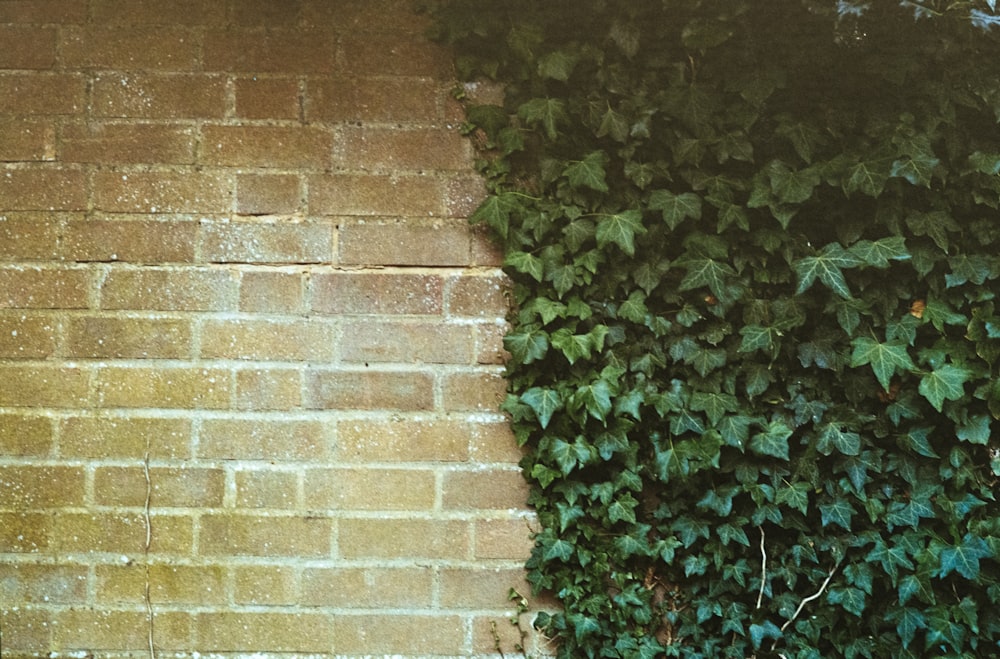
column 356, row 194
column 27, row 488
column 124, row 437
column 403, row 538
column 490, row 350
column 271, row 291
column 267, row 489
column 163, row 387
column 483, row 295
column 24, row 435
column 268, row 340
column 268, row 389
column 43, row 11
column 368, row 588
column 464, row 194
column 396, row 149
column 376, row 293
column 267, row 98
column 389, row 54
column 286, row 147
column 151, row 96
column 340, row 99
column 260, row 632
column 482, row 489
column 172, row 487
column 474, row 392
column 369, row 489
column 162, row 192
column 43, row 189
column 404, row 242
column 138, row 48
column 407, row 342
column 132, row 239
column 486, row 249
column 30, row 236
column 276, row 51
column 250, row 535
column 267, row 242
column 38, row 584
column 25, row 140
column 113, row 143
column 158, row 12
column 395, row 440
column 263, row 439
column 34, row 93
column 364, row 15
column 94, row 337
column 267, row 194
column 27, row 287
column 169, row 289
column 27, row 336
column 368, row 390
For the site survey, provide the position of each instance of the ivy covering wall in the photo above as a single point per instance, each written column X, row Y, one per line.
column 756, row 254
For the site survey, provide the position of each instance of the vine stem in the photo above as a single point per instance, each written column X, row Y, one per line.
column 806, row 600
column 763, row 568
column 149, row 539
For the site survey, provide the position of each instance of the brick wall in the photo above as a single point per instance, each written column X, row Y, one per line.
column 250, row 350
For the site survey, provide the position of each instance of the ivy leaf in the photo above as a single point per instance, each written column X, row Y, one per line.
column 495, row 212
column 596, row 399
column 620, row 229
column 976, row 430
column 918, row 441
column 757, row 337
column 549, row 112
column 773, row 441
column 838, row 512
column 826, row 266
column 706, row 272
column 917, row 169
column 560, row 549
column 866, row 177
column 759, row 632
column 985, row 163
column 943, row 384
column 614, row 125
column 675, row 208
column 589, row 172
column 833, row 438
column 557, row 65
column 713, row 405
column 878, row 253
column 909, row 622
column 884, row 358
column 964, row 558
column 789, row 186
column 852, row 599
column 527, row 263
column 545, row 402
column 527, row 344
column 623, row 509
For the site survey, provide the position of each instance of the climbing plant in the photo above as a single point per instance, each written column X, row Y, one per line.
column 755, row 250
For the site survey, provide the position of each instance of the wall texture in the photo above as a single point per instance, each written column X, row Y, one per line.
column 250, row 352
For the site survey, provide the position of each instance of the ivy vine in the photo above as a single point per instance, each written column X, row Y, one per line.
column 755, row 250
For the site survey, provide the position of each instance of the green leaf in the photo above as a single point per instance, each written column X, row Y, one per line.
column 773, row 441
column 833, row 438
column 918, row 441
column 589, row 172
column 976, row 430
column 549, row 112
column 908, row 622
column 885, row 358
column 878, row 253
column 572, row 346
column 943, row 384
column 867, row 177
column 917, row 169
column 713, row 405
column 560, row 549
column 964, row 558
column 985, row 163
column 826, row 266
column 623, row 509
column 527, row 263
column 706, row 272
column 596, row 399
column 675, row 208
column 852, row 599
column 765, row 630
column 557, row 65
column 789, row 186
column 615, row 126
column 495, row 212
column 545, row 402
column 527, row 344
column 620, row 229
column 838, row 512
column 757, row 337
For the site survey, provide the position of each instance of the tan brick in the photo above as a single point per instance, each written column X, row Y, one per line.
column 166, row 289
column 266, row 98
column 268, row 340
column 388, row 54
column 463, row 195
column 276, row 51
column 164, row 48
column 342, row 99
column 489, row 343
column 266, row 13
column 28, row 488
column 152, row 96
column 113, row 630
column 407, row 342
column 481, row 588
column 162, row 192
column 368, row 588
column 168, row 584
column 266, row 489
column 494, row 442
column 26, row 630
column 365, row 15
column 474, row 392
column 485, row 295
column 26, row 140
column 43, row 189
column 268, row 389
column 25, row 532
column 164, row 387
column 48, row 94
column 37, row 584
column 370, row 489
column 31, row 287
column 484, row 489
column 267, row 242
column 124, row 437
column 124, row 144
column 486, row 249
column 245, row 535
column 368, row 390
column 377, row 293
column 158, row 12
column 399, row 634
column 408, row 242
column 264, row 585
column 403, row 538
column 131, row 239
column 394, row 440
column 285, row 147
column 24, row 435
column 43, row 11
column 97, row 337
column 272, row 291
column 491, row 632
column 267, row 194
column 394, row 149
column 30, row 236
column 43, row 386
column 263, row 439
column 27, row 336
column 509, row 539
column 264, row 632
column 170, row 487
column 376, row 194
column 121, row 533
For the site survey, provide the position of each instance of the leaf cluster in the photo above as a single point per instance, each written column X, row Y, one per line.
column 754, row 353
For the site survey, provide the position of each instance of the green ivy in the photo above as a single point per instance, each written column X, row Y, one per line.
column 755, row 250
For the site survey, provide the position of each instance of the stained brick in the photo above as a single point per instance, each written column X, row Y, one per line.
column 158, row 12
column 119, row 143
column 267, row 98
column 25, row 435
column 35, row 188
column 272, row 291
column 30, row 487
column 489, row 341
column 484, row 489
column 378, row 195
column 368, row 390
column 43, row 11
column 131, row 239
column 268, row 389
column 395, row 149
column 27, row 630
column 377, row 293
column 162, row 192
column 341, row 99
column 37, row 584
column 266, row 489
column 164, row 48
column 277, row 51
column 264, row 585
column 437, row 440
column 268, row 340
column 398, row 634
column 94, row 629
column 388, row 54
column 122, row 338
column 474, row 392
column 370, row 489
column 166, row 289
column 267, row 242
column 285, row 147
column 407, row 342
column 43, row 386
column 266, row 13
column 120, row 533
column 34, row 93
column 486, row 295
column 265, row 632
column 267, row 194
column 261, row 439
column 365, row 15
column 162, row 387
column 250, row 535
column 30, row 236
column 27, row 336
column 493, row 443
column 464, row 194
column 403, row 538
column 168, row 584
column 368, row 588
column 170, row 487
column 22, row 532
column 404, row 243
column 157, row 96
column 464, row 588
column 26, row 140
column 124, row 437
column 503, row 538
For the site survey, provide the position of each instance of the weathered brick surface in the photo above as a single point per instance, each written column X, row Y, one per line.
column 250, row 348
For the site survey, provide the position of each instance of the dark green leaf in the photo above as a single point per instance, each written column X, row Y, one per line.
column 545, row 402
column 620, row 229
column 886, row 359
column 773, row 441
column 589, row 172
column 943, row 384
column 549, row 112
column 675, row 208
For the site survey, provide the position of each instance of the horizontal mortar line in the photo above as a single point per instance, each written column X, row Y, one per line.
column 347, row 415
column 338, row 611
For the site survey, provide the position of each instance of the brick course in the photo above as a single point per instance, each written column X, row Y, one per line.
column 250, row 349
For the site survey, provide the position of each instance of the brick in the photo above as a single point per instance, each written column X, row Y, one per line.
column 26, row 140
column 43, row 11
column 171, row 487
column 485, row 295
column 490, row 633
column 95, row 337
column 493, row 443
column 406, row 243
column 267, row 194
column 479, row 588
column 368, row 390
column 120, row 533
column 162, row 387
column 474, row 392
column 30, row 487
column 26, row 630
column 130, row 239
column 154, row 96
column 48, row 94
column 266, row 13
column 389, row 54
column 27, row 336
column 43, row 386
column 168, row 584
column 267, row 242
column 22, row 532
column 489, row 342
column 284, row 147
column 263, row 439
column 484, row 489
column 399, row 634
column 36, row 584
column 373, row 99
column 124, row 437
column 464, row 194
column 163, row 192
column 377, row 293
column 268, row 389
column 395, row 440
column 268, row 340
column 364, row 15
column 125, row 144
column 370, row 489
column 401, row 149
column 267, row 489
column 85, row 629
column 158, row 12
column 246, row 535
column 267, row 98
column 30, row 236
column 403, row 538
column 280, row 292
column 24, row 435
column 164, row 48
column 264, row 585
column 358, row 194
column 166, row 289
column 406, row 342
column 508, row 539
column 368, row 588
column 302, row 51
column 486, row 250
column 264, row 632
column 43, row 189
